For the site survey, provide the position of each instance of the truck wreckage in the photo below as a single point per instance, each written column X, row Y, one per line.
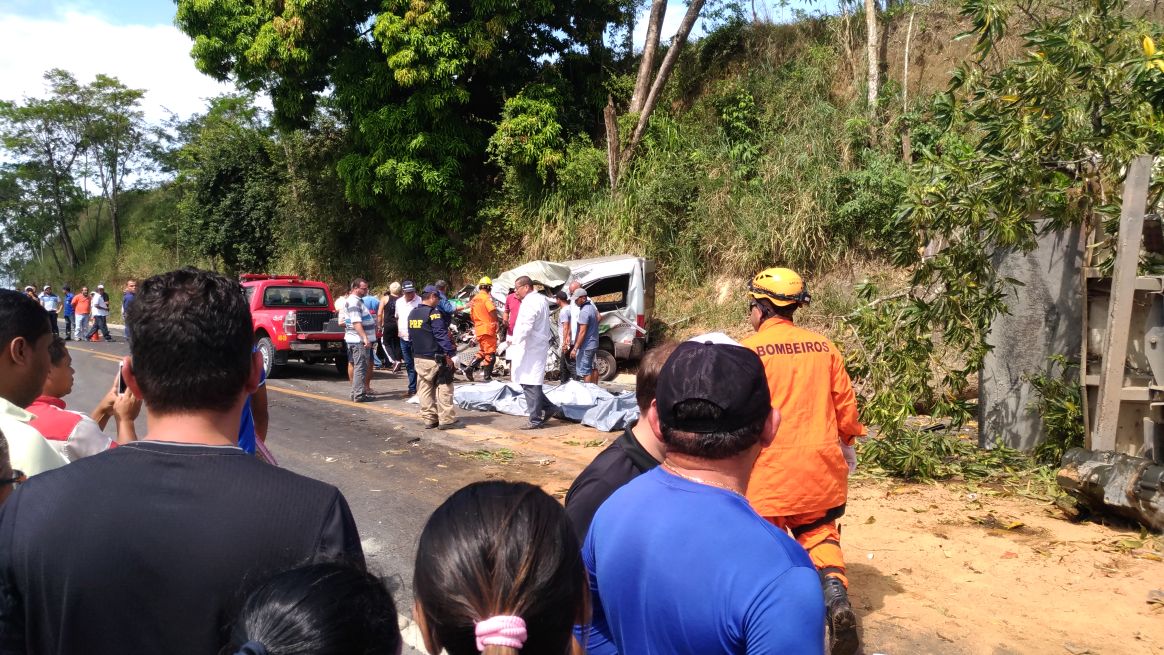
column 1120, row 469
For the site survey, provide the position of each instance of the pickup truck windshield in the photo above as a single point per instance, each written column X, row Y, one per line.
column 295, row 297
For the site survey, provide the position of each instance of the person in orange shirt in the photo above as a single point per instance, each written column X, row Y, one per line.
column 484, row 315
column 800, row 482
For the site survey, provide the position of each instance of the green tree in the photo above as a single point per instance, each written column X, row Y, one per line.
column 51, row 134
column 1044, row 136
column 117, row 138
column 27, row 216
column 420, row 83
column 231, row 180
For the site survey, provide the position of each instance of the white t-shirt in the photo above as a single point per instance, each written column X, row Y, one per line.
column 403, row 309
column 100, row 306
column 574, row 309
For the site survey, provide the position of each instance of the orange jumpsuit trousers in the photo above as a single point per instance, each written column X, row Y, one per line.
column 484, row 315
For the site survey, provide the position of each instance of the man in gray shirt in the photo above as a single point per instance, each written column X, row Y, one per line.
column 586, row 343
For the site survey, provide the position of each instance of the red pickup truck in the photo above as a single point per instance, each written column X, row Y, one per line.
column 294, row 319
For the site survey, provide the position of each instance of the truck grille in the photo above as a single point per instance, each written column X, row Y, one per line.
column 307, row 320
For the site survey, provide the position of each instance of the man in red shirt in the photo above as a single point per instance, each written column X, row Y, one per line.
column 81, row 306
column 73, row 434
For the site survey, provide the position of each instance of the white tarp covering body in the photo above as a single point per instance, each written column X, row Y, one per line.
column 588, row 404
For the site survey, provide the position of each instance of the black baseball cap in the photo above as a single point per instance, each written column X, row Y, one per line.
column 730, row 377
column 408, row 286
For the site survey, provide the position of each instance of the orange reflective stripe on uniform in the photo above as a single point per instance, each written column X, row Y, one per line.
column 803, row 471
column 818, row 534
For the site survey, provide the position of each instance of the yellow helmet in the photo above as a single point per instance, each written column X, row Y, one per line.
column 779, row 286
column 485, row 281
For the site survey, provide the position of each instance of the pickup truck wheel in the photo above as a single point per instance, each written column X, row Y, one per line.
column 341, row 362
column 267, row 350
column 606, row 365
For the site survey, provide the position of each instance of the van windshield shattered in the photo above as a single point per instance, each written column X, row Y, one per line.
column 295, row 297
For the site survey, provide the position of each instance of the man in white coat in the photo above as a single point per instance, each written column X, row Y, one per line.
column 529, row 345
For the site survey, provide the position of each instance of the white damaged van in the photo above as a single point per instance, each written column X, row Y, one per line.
column 622, row 287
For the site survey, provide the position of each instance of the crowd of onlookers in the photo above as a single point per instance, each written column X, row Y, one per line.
column 182, row 542
column 85, row 313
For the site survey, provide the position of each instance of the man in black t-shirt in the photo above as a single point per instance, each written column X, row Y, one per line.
column 637, row 450
column 150, row 547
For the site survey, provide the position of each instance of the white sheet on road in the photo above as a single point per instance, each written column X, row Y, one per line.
column 588, row 404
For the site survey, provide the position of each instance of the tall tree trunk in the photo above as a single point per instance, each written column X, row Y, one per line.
column 96, row 219
column 871, row 51
column 59, row 206
column 53, row 251
column 113, row 211
column 661, row 78
column 650, row 50
column 611, row 121
column 906, row 145
column 62, row 225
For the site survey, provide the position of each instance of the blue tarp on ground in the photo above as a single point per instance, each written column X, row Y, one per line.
column 581, row 402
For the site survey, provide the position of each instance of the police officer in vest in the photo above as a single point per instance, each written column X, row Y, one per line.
column 433, row 351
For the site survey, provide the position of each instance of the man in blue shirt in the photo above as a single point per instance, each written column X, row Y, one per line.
column 586, row 341
column 69, row 312
column 127, row 297
column 373, row 305
column 443, row 302
column 678, row 561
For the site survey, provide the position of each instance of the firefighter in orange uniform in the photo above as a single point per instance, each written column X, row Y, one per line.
column 800, row 482
column 483, row 313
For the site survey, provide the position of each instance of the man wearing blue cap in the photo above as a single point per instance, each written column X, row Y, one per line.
column 433, row 353
column 678, row 561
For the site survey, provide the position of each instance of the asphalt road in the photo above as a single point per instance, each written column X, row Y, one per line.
column 392, row 471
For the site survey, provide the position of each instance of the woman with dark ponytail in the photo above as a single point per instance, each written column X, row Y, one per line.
column 320, row 609
column 499, row 571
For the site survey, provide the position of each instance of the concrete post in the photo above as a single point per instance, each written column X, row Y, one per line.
column 1045, row 319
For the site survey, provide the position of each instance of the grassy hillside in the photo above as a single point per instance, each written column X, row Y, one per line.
column 148, row 244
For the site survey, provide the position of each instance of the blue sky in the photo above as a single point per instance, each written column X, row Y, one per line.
column 136, row 41
column 117, row 12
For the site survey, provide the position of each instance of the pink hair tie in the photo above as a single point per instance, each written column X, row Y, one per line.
column 506, row 631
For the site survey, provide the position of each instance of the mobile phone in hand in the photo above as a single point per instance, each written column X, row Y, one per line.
column 121, row 388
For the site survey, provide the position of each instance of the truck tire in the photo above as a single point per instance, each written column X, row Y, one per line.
column 341, row 362
column 606, row 365
column 266, row 348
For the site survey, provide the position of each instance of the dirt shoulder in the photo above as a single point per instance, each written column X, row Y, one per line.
column 942, row 569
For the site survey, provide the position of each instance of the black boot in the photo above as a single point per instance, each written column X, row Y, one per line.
column 842, row 621
column 467, row 371
column 487, row 372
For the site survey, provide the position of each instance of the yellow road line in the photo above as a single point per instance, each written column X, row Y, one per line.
column 96, row 353
column 340, row 401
